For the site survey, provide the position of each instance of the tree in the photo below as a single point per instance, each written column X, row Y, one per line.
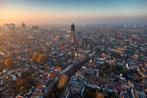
column 39, row 58
column 42, row 59
column 8, row 62
column 34, row 57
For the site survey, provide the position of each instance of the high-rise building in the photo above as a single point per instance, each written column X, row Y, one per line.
column 12, row 27
column 0, row 29
column 9, row 27
column 23, row 26
column 35, row 28
column 73, row 32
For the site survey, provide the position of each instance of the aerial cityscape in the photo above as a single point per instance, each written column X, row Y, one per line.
column 73, row 49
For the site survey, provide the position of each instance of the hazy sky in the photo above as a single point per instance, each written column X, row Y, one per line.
column 67, row 11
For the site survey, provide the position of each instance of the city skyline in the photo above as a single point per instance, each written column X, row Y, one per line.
column 77, row 11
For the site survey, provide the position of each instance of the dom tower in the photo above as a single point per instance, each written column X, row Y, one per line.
column 73, row 32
